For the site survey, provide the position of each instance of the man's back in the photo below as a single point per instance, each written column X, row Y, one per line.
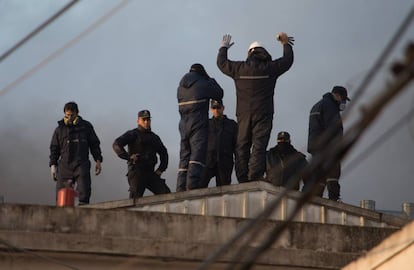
column 255, row 78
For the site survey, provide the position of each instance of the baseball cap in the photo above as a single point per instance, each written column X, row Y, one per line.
column 216, row 103
column 341, row 91
column 144, row 114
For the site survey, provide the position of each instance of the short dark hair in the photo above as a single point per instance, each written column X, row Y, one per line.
column 71, row 106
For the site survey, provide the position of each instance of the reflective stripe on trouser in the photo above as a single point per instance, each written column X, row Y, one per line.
column 181, row 180
column 253, row 134
column 193, row 151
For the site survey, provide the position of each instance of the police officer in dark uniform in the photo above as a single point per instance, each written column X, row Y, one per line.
column 325, row 125
column 143, row 147
column 284, row 163
column 194, row 92
column 255, row 81
column 221, row 148
column 69, row 152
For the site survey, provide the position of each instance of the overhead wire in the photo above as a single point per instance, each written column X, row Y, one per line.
column 381, row 139
column 30, row 72
column 62, row 49
column 411, row 126
column 45, row 258
column 381, row 59
column 333, row 152
column 317, row 161
column 37, row 29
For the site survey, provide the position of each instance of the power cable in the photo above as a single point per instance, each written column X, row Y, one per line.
column 326, row 160
column 374, row 145
column 45, row 258
column 59, row 51
column 352, row 134
column 411, row 127
column 381, row 59
column 37, row 30
column 335, row 152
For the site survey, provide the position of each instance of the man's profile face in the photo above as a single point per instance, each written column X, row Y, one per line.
column 144, row 122
column 217, row 111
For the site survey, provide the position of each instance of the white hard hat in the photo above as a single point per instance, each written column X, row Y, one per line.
column 255, row 44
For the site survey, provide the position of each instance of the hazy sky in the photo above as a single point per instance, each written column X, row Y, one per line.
column 135, row 59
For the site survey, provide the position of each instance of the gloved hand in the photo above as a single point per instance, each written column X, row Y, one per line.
column 134, row 158
column 98, row 167
column 284, row 39
column 226, row 42
column 158, row 172
column 53, row 172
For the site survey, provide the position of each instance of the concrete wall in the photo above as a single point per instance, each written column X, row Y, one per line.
column 248, row 199
column 111, row 237
column 395, row 252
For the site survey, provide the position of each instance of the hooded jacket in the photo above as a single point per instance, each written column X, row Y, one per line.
column 195, row 91
column 282, row 163
column 70, row 144
column 324, row 117
column 255, row 78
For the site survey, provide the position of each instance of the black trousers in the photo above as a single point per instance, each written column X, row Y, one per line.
column 140, row 179
column 322, row 179
column 223, row 176
column 80, row 175
column 252, row 140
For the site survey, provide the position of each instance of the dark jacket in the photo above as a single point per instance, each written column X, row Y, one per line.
column 282, row 163
column 324, row 116
column 255, row 78
column 222, row 137
column 194, row 93
column 70, row 144
column 145, row 143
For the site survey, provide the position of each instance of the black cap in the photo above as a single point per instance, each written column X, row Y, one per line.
column 216, row 103
column 341, row 91
column 283, row 136
column 144, row 114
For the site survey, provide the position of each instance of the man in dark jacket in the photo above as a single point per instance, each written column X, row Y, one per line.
column 325, row 125
column 222, row 135
column 143, row 147
column 194, row 92
column 255, row 81
column 284, row 163
column 69, row 153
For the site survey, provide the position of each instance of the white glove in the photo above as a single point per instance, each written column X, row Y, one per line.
column 53, row 172
column 226, row 42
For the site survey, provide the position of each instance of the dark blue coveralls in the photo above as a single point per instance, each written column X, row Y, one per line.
column 194, row 93
column 325, row 117
column 69, row 150
column 255, row 81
